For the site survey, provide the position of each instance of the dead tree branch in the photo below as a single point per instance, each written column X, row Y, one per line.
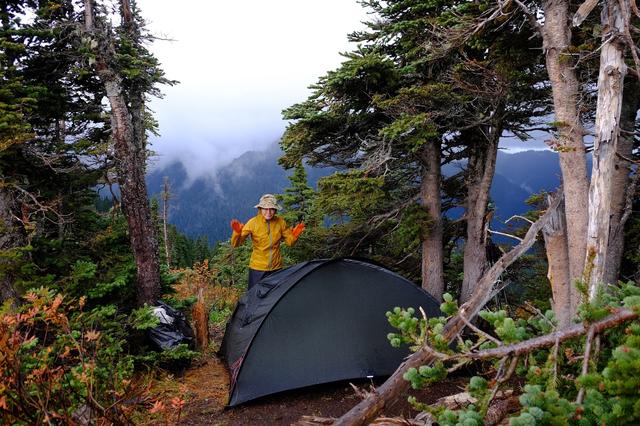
column 583, row 12
column 515, row 216
column 585, row 362
column 504, row 234
column 626, row 34
column 618, row 317
column 533, row 20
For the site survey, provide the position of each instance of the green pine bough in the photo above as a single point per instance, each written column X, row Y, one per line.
column 585, row 374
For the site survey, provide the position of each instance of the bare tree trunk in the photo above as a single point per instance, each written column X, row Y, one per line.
column 432, row 255
column 610, row 88
column 566, row 297
column 128, row 133
column 481, row 170
column 560, row 67
column 623, row 191
column 395, row 385
column 11, row 237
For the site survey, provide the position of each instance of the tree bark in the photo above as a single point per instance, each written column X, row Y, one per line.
column 610, row 89
column 480, row 173
column 566, row 297
column 128, row 133
column 620, row 181
column 432, row 252
column 395, row 385
column 11, row 237
column 560, row 67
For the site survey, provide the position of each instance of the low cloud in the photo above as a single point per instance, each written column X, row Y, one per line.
column 239, row 65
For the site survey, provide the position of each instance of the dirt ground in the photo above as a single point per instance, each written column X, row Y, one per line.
column 205, row 389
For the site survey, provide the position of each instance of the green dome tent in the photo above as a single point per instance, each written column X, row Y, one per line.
column 316, row 322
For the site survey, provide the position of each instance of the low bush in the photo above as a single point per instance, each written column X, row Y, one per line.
column 60, row 363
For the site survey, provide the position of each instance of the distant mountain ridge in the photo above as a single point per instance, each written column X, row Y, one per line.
column 207, row 204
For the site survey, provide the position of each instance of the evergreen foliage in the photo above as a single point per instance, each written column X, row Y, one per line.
column 71, row 264
column 416, row 79
column 549, row 394
column 297, row 199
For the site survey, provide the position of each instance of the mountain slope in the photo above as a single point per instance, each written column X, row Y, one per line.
column 205, row 205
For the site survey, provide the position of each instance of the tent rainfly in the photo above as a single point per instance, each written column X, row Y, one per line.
column 316, row 322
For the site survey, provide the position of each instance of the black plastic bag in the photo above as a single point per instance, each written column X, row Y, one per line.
column 173, row 330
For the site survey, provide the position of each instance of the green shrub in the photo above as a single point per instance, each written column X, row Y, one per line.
column 58, row 359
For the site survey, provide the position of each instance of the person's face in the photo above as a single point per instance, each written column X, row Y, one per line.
column 268, row 213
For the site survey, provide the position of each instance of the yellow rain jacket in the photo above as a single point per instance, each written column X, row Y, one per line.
column 266, row 237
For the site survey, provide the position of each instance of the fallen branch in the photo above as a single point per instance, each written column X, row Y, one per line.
column 618, row 317
column 314, row 421
column 395, row 385
column 505, row 403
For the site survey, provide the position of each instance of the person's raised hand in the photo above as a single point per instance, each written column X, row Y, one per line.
column 236, row 225
column 297, row 230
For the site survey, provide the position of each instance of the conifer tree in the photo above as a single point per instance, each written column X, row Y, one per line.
column 421, row 91
column 49, row 119
column 128, row 72
column 298, row 198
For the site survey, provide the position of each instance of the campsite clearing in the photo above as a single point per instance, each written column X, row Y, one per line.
column 203, row 389
column 206, row 389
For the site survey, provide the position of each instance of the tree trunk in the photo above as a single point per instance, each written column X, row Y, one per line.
column 11, row 237
column 128, row 133
column 610, row 88
column 620, row 181
column 131, row 159
column 564, row 82
column 432, row 255
column 566, row 297
column 480, row 173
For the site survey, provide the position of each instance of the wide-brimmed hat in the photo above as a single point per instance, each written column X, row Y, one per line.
column 268, row 201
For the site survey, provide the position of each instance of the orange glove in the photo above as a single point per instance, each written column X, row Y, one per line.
column 297, row 230
column 236, row 225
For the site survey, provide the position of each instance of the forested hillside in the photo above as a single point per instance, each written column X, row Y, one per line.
column 204, row 206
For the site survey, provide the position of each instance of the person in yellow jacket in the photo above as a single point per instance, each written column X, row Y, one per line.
column 267, row 231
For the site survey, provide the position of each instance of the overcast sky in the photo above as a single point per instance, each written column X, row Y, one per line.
column 239, row 64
